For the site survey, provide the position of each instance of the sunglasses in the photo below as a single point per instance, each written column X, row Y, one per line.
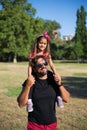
column 41, row 64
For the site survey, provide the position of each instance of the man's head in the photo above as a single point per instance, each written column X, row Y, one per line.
column 40, row 65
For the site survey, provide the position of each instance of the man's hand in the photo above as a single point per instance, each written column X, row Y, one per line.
column 23, row 96
column 30, row 81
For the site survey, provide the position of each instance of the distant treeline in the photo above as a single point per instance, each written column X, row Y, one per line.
column 19, row 28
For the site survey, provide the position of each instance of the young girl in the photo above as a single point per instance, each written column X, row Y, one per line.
column 41, row 47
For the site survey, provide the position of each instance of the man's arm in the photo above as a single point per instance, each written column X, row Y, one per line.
column 63, row 92
column 23, row 97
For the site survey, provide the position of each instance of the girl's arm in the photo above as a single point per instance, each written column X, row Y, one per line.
column 53, row 69
column 31, row 56
column 29, row 70
column 52, row 65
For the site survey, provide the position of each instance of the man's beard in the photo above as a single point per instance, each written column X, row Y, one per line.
column 41, row 74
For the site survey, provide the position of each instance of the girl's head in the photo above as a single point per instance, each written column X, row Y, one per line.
column 42, row 43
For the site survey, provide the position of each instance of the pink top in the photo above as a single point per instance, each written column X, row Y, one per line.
column 45, row 54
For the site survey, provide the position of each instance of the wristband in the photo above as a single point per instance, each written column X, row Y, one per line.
column 60, row 85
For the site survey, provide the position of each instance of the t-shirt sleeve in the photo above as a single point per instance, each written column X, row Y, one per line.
column 24, row 84
column 31, row 89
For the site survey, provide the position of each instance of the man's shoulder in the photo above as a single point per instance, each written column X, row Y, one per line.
column 51, row 80
column 24, row 83
column 50, row 75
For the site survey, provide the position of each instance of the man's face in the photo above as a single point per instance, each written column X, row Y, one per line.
column 41, row 67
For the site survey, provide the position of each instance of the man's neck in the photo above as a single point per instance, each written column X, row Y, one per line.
column 43, row 77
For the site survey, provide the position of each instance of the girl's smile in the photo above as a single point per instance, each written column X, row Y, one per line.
column 42, row 44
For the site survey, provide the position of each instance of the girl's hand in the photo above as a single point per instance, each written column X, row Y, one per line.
column 57, row 78
column 46, row 55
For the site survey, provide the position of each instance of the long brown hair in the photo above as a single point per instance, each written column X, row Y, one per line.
column 35, row 47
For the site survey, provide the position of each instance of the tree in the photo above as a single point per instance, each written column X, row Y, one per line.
column 80, row 35
column 38, row 26
column 50, row 26
column 78, row 49
column 19, row 28
column 16, row 31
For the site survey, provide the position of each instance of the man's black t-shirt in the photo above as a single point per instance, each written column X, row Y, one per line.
column 44, row 97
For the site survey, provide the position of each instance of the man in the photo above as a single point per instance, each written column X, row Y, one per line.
column 46, row 88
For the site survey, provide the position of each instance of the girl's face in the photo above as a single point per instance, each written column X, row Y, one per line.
column 42, row 44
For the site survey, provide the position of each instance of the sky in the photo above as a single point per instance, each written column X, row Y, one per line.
column 62, row 11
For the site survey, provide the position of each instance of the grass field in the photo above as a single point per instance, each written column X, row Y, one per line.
column 72, row 117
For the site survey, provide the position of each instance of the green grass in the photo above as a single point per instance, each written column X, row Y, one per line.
column 13, row 91
column 80, row 74
column 72, row 117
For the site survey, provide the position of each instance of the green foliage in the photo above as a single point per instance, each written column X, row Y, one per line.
column 16, row 30
column 38, row 26
column 53, row 47
column 19, row 28
column 78, row 48
column 81, row 33
column 49, row 26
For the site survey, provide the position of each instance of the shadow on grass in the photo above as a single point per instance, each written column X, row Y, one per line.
column 77, row 86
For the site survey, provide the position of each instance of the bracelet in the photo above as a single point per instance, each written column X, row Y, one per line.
column 60, row 85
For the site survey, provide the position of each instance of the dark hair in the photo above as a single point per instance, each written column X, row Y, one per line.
column 36, row 44
column 38, row 39
column 35, row 59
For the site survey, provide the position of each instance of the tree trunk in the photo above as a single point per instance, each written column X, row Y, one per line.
column 78, row 60
column 15, row 58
